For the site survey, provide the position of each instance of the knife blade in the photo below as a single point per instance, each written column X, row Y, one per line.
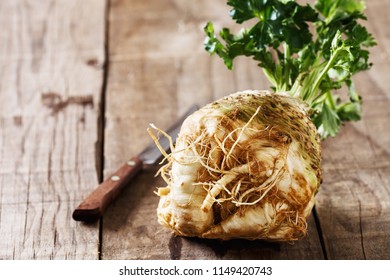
column 94, row 205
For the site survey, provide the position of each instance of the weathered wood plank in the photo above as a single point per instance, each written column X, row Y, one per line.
column 156, row 59
column 353, row 203
column 51, row 73
column 354, row 211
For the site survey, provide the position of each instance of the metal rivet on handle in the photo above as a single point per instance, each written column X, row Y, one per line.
column 131, row 163
column 115, row 178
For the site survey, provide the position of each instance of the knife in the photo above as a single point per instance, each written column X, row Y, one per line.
column 94, row 205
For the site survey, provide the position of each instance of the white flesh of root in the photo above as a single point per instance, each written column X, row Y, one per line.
column 246, row 166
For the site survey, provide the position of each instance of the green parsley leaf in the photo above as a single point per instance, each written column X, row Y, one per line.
column 306, row 51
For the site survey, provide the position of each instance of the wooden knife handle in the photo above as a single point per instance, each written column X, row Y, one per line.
column 93, row 207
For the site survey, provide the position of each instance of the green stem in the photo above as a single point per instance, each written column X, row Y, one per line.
column 270, row 77
column 314, row 94
column 287, row 56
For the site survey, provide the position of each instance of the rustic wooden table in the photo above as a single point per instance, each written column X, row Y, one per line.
column 80, row 81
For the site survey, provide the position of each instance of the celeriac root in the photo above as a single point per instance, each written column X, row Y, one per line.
column 246, row 166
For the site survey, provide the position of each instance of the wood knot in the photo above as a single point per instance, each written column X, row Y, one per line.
column 93, row 62
column 56, row 103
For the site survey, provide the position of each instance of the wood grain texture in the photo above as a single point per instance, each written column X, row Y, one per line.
column 51, row 66
column 156, row 59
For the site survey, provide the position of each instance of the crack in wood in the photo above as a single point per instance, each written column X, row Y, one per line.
column 361, row 230
column 101, row 117
column 175, row 245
